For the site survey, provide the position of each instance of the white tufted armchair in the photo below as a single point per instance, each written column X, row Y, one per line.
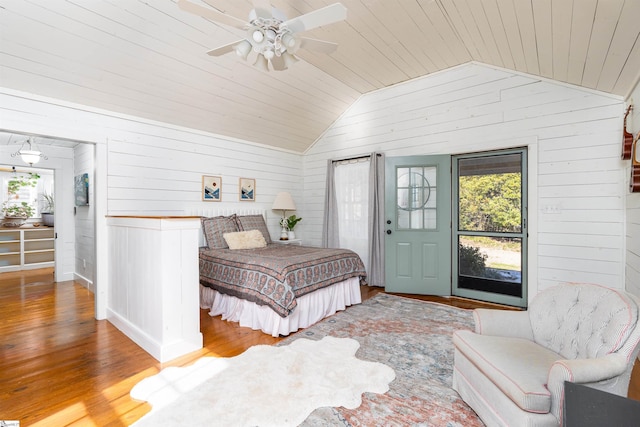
column 512, row 369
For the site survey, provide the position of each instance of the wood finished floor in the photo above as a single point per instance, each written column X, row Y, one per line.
column 59, row 366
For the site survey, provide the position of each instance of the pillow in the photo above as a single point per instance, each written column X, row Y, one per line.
column 253, row 222
column 245, row 240
column 214, row 227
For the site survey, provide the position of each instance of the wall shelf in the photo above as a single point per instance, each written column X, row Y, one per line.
column 26, row 248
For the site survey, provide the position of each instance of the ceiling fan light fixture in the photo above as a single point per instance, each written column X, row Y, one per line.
column 243, row 48
column 288, row 41
column 257, row 36
column 261, row 63
column 268, row 54
column 270, row 34
column 289, row 59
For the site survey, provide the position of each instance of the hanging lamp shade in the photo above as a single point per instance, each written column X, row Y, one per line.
column 30, row 156
column 28, row 153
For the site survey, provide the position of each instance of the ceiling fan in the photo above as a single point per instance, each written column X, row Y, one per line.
column 274, row 38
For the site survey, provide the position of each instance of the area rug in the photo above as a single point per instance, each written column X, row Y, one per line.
column 265, row 385
column 414, row 338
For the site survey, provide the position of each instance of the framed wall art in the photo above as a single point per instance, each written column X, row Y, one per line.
column 247, row 190
column 211, row 188
column 81, row 189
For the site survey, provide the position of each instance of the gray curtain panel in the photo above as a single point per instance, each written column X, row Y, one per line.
column 375, row 276
column 330, row 234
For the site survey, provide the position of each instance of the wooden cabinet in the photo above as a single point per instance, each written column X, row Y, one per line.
column 26, row 248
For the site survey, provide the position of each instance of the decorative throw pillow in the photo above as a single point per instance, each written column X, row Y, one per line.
column 214, row 227
column 254, row 222
column 245, row 240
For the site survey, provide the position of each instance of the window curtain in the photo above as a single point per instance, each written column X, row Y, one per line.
column 376, row 220
column 352, row 195
column 330, row 236
column 354, row 211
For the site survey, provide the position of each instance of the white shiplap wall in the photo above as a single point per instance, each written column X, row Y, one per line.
column 574, row 140
column 83, row 156
column 155, row 168
column 632, row 268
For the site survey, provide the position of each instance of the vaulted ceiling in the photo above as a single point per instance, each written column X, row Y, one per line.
column 147, row 57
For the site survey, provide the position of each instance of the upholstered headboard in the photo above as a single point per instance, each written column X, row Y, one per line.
column 211, row 212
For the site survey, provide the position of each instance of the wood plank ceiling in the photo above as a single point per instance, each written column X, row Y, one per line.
column 147, row 57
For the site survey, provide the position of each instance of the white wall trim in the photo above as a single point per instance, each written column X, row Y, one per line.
column 532, row 218
column 84, row 282
column 101, row 232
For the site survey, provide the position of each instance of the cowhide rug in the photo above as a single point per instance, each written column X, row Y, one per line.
column 264, row 386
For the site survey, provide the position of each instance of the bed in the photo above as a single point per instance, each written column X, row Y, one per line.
column 267, row 286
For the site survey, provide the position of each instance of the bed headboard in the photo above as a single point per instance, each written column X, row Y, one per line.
column 209, row 212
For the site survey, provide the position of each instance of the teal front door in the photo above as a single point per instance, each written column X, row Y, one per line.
column 418, row 225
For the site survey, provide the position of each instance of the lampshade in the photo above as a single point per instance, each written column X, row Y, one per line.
column 268, row 54
column 257, row 36
column 284, row 202
column 289, row 59
column 28, row 153
column 243, row 48
column 288, row 41
column 261, row 63
column 29, row 156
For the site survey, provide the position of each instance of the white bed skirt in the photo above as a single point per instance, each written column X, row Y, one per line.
column 311, row 308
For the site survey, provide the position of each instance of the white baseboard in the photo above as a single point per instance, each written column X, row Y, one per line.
column 163, row 352
column 84, row 282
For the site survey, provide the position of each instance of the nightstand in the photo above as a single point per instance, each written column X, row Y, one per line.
column 289, row 242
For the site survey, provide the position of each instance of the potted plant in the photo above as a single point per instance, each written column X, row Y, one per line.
column 291, row 224
column 16, row 214
column 48, row 205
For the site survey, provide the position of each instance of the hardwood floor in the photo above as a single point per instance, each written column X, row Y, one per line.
column 59, row 366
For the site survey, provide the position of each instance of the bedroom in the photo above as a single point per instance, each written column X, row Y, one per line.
column 152, row 167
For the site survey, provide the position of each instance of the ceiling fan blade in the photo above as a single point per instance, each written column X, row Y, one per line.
column 278, row 63
column 325, row 16
column 221, row 50
column 317, row 45
column 262, row 8
column 212, row 14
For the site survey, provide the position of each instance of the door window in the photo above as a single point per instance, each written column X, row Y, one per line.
column 416, row 198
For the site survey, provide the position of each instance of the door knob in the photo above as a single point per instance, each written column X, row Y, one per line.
column 388, row 231
column 388, row 221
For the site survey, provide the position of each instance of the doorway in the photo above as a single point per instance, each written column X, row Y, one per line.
column 490, row 226
column 418, row 218
column 78, row 230
column 457, row 225
column 27, row 241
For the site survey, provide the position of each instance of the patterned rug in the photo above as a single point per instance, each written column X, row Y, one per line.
column 412, row 337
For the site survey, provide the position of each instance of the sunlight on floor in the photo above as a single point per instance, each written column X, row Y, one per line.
column 65, row 416
column 77, row 413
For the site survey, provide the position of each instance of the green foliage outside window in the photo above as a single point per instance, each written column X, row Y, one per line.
column 490, row 202
column 15, row 184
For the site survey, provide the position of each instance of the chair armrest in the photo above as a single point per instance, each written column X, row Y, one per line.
column 587, row 370
column 503, row 323
column 581, row 371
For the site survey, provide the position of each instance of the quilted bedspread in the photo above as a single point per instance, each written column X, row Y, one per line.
column 277, row 274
